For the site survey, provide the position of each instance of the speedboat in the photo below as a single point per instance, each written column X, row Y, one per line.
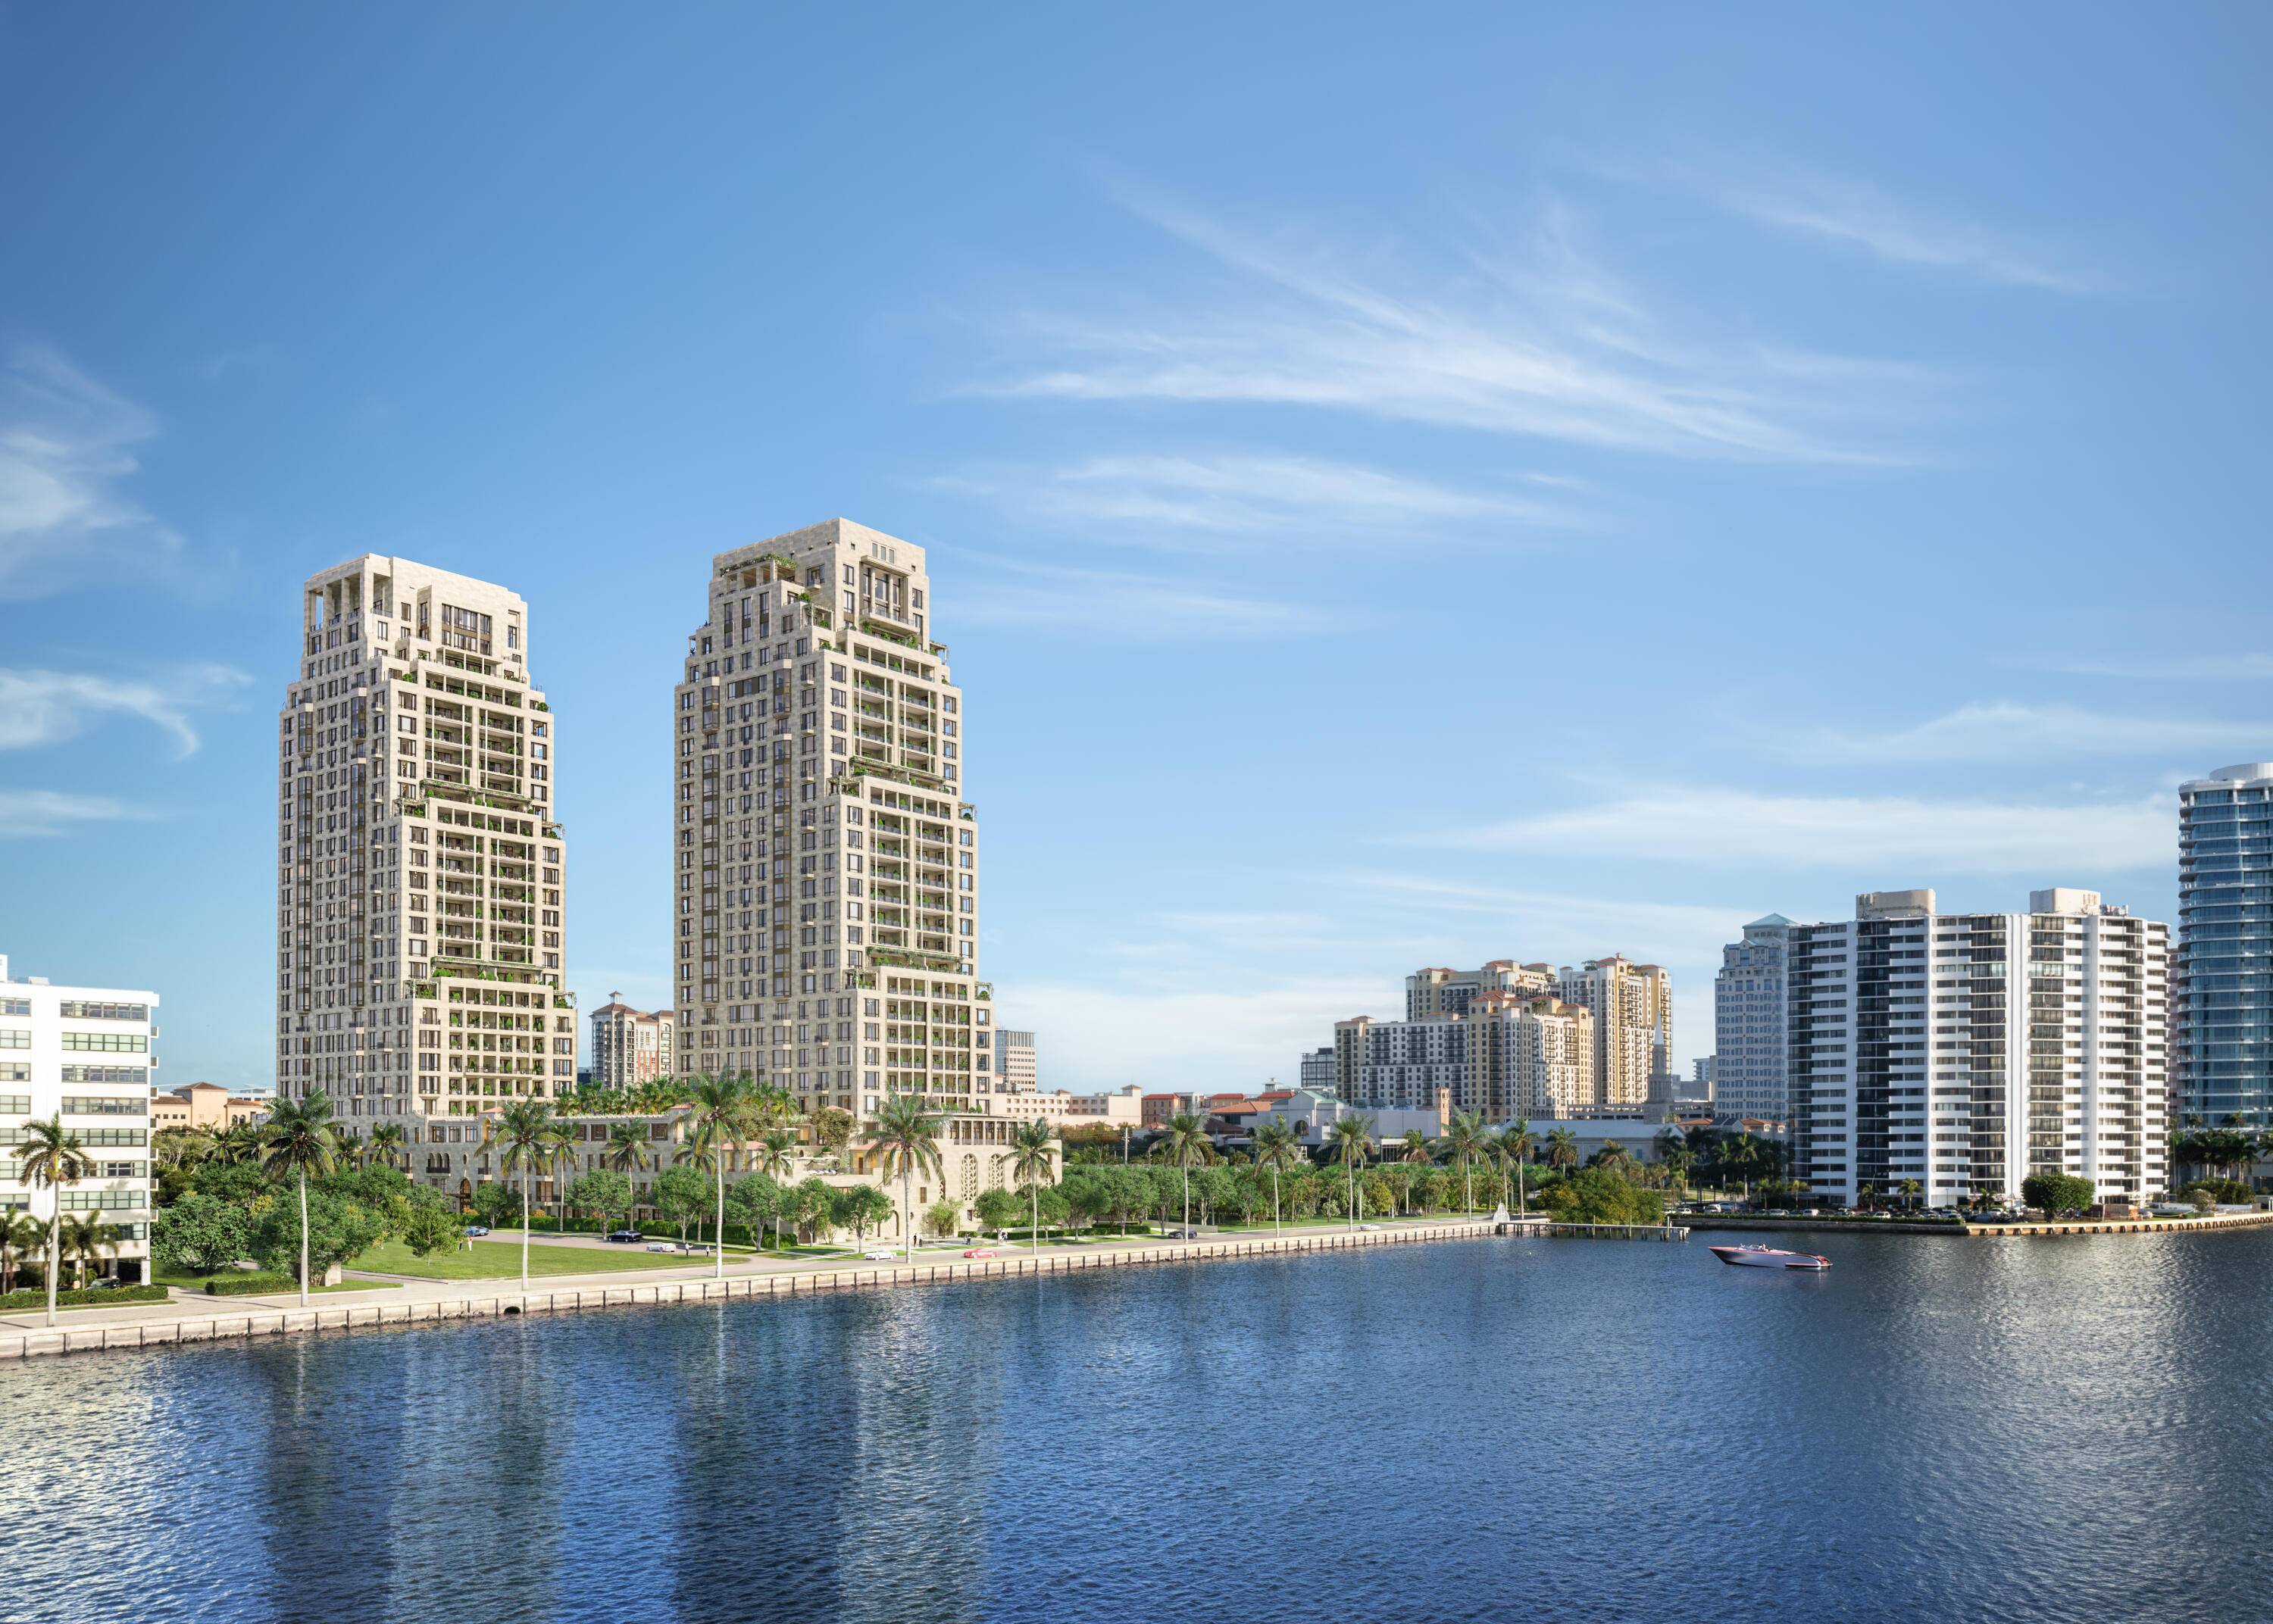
column 1769, row 1257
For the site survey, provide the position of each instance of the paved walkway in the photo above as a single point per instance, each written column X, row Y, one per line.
column 194, row 1316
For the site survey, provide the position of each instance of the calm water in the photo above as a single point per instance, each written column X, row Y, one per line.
column 1482, row 1430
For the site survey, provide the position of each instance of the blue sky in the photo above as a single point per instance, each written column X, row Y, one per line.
column 1403, row 485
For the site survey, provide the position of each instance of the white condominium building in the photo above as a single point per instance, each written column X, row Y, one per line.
column 83, row 1054
column 1748, row 1010
column 825, row 912
column 1633, row 1006
column 630, row 1046
column 1966, row 1052
column 1015, row 1071
column 420, row 920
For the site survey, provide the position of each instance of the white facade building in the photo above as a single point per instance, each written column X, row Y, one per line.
column 825, row 909
column 420, row 919
column 1748, row 1013
column 85, row 1055
column 1966, row 1052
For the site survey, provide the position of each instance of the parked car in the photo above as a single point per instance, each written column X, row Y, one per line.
column 626, row 1237
column 980, row 1252
column 663, row 1245
column 1369, row 1226
column 475, row 1232
column 880, row 1254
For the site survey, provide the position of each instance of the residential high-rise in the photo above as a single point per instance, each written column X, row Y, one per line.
column 83, row 1054
column 1748, row 1009
column 1015, row 1071
column 1633, row 1006
column 1317, row 1071
column 630, row 1046
column 1507, row 1053
column 2224, row 972
column 1437, row 992
column 825, row 909
column 1967, row 1050
column 420, row 919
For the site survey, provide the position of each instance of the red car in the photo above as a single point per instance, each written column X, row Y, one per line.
column 981, row 1252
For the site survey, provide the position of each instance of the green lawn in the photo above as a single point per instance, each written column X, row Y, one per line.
column 500, row 1259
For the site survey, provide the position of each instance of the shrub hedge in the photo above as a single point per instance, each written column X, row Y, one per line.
column 250, row 1286
column 86, row 1298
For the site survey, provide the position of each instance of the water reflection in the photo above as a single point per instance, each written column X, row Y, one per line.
column 1938, row 1429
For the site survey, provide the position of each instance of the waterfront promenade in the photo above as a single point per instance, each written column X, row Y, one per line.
column 398, row 1301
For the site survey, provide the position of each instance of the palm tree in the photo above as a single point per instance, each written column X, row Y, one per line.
column 560, row 1143
column 21, row 1235
column 299, row 1140
column 1613, row 1156
column 523, row 1132
column 52, row 1156
column 628, row 1152
column 1465, row 1142
column 1415, row 1152
column 86, row 1239
column 1517, row 1141
column 1185, row 1142
column 1562, row 1148
column 236, row 1144
column 1353, row 1137
column 1911, row 1190
column 1030, row 1162
column 727, row 1115
column 776, row 1157
column 386, row 1144
column 905, row 1139
column 353, row 1150
column 1277, row 1146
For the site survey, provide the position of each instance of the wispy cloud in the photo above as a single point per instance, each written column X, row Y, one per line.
column 1542, row 342
column 46, row 707
column 27, row 813
column 2243, row 667
column 1193, row 501
column 2008, row 731
column 1676, row 823
column 1110, row 606
column 1854, row 215
column 1231, row 997
column 66, row 455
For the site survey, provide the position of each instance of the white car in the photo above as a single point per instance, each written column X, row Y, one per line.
column 663, row 1245
column 880, row 1254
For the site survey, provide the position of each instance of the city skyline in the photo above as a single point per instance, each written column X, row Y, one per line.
column 1669, row 455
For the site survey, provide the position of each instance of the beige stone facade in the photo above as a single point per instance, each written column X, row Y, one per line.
column 421, row 910
column 203, row 1105
column 825, row 904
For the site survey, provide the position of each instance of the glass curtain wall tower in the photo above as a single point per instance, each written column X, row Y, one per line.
column 2224, row 972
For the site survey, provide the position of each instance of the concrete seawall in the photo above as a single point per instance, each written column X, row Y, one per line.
column 483, row 1299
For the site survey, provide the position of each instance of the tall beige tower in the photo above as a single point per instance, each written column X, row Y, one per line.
column 825, row 905
column 420, row 919
column 1633, row 1006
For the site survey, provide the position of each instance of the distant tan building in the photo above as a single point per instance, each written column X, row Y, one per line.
column 1124, row 1108
column 630, row 1046
column 1633, row 1006
column 206, row 1106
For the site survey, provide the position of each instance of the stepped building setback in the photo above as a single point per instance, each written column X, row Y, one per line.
column 420, row 913
column 825, row 909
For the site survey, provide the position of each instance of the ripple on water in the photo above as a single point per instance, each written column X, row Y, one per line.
column 1460, row 1431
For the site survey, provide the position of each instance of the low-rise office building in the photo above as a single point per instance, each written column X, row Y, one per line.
column 84, row 1056
column 206, row 1106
